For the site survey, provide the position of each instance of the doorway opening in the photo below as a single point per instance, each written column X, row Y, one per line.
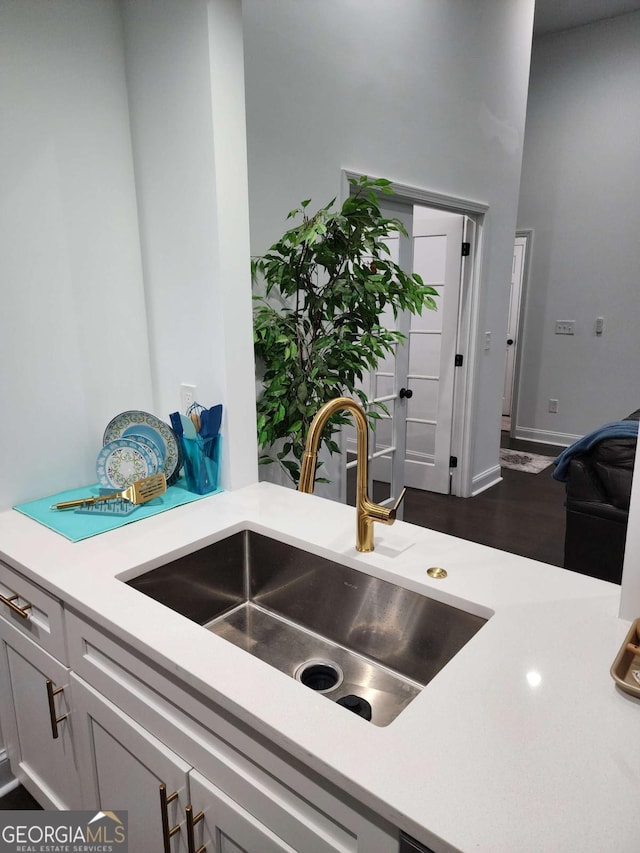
column 424, row 442
column 519, row 277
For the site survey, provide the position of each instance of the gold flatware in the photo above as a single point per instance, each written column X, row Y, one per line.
column 137, row 493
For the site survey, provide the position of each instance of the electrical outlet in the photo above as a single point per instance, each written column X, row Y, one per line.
column 187, row 396
column 565, row 327
column 553, row 407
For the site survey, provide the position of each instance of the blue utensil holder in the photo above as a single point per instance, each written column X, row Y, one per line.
column 201, row 463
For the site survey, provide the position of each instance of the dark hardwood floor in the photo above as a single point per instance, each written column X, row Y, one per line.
column 524, row 514
column 18, row 799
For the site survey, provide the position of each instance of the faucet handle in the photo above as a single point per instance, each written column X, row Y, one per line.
column 378, row 512
column 394, row 509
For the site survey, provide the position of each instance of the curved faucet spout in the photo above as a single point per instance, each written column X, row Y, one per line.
column 368, row 512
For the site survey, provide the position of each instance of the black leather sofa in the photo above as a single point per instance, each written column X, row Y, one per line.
column 598, row 490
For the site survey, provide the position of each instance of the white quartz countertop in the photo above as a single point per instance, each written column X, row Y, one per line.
column 521, row 743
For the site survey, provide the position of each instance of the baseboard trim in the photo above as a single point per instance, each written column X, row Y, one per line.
column 545, row 436
column 7, row 780
column 482, row 482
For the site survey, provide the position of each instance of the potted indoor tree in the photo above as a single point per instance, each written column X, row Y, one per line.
column 320, row 291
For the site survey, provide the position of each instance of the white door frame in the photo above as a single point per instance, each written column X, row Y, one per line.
column 527, row 233
column 511, row 337
column 464, row 387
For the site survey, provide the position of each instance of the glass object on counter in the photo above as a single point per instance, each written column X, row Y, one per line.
column 201, row 463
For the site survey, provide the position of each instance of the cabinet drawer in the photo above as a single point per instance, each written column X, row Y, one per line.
column 34, row 612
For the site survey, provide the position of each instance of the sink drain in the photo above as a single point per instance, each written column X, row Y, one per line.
column 319, row 675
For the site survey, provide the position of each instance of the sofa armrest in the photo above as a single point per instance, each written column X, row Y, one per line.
column 613, row 462
column 583, row 484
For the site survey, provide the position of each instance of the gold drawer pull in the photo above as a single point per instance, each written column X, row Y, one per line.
column 191, row 822
column 51, row 694
column 167, row 831
column 10, row 602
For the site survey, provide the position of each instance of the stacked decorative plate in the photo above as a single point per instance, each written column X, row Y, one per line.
column 137, row 445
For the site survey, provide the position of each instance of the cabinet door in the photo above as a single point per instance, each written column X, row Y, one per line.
column 225, row 826
column 123, row 767
column 42, row 751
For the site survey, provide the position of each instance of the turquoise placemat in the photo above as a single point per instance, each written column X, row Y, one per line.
column 76, row 526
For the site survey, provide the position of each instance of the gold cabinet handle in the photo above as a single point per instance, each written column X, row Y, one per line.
column 167, row 831
column 10, row 602
column 51, row 694
column 191, row 822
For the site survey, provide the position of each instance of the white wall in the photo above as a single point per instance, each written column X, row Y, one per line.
column 73, row 336
column 579, row 194
column 186, row 88
column 426, row 94
column 74, row 345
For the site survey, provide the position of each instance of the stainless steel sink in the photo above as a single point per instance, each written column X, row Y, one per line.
column 362, row 642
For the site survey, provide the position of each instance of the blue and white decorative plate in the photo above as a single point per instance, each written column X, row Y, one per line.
column 135, row 421
column 122, row 462
column 153, row 447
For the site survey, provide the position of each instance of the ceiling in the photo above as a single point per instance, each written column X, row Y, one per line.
column 554, row 15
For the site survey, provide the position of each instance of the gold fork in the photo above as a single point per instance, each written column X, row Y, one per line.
column 137, row 493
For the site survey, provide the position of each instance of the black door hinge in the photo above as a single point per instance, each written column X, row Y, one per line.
column 466, row 249
column 459, row 359
column 453, row 462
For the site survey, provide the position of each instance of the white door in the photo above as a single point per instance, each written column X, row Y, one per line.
column 517, row 273
column 437, row 257
column 412, row 445
column 386, row 383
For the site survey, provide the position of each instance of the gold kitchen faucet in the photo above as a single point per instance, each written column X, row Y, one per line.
column 368, row 512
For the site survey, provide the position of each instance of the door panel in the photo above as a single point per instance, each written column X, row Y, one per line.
column 517, row 275
column 45, row 765
column 124, row 768
column 429, row 321
column 412, row 444
column 424, row 403
column 387, row 439
column 424, row 354
column 430, row 255
column 226, row 827
column 437, row 254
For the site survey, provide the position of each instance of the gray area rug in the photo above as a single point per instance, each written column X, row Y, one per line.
column 528, row 463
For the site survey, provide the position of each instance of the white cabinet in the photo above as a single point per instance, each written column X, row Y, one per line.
column 224, row 826
column 92, row 722
column 123, row 767
column 37, row 723
column 253, row 799
column 171, row 805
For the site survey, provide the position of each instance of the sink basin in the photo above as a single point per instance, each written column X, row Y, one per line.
column 362, row 642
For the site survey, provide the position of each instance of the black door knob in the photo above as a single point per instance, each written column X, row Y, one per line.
column 406, row 392
column 509, row 341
